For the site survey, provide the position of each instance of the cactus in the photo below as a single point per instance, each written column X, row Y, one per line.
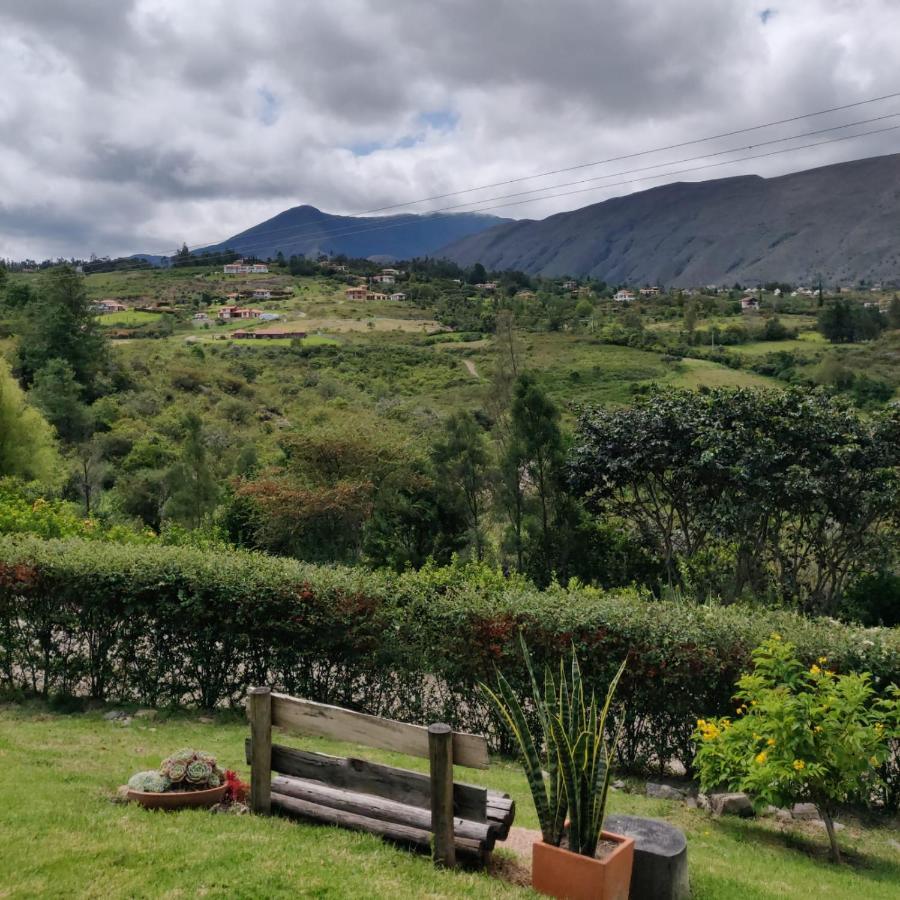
column 149, row 782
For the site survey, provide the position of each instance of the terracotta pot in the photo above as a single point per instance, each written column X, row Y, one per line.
column 571, row 876
column 179, row 799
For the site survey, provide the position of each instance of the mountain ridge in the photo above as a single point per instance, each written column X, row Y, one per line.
column 839, row 222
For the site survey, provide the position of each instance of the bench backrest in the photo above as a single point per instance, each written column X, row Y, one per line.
column 322, row 720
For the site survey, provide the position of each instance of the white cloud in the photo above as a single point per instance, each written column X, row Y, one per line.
column 136, row 125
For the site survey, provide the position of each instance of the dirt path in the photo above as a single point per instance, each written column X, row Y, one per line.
column 470, row 367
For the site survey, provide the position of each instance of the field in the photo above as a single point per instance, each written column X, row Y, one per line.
column 59, row 774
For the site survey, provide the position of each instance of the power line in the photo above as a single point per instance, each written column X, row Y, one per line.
column 295, row 232
column 447, row 210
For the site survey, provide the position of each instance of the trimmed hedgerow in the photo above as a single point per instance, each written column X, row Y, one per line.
column 174, row 625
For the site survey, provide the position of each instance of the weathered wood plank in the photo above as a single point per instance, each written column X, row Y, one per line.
column 378, row 808
column 386, row 734
column 404, row 834
column 440, row 746
column 361, row 776
column 259, row 711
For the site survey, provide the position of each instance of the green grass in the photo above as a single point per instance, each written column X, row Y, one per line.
column 63, row 836
column 129, row 317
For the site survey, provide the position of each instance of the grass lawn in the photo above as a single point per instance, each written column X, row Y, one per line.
column 63, row 836
column 129, row 317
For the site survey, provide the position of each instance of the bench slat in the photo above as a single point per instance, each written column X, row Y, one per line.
column 404, row 834
column 340, row 724
column 401, row 785
column 378, row 808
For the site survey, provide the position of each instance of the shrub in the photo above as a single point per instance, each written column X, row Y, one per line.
column 800, row 734
column 163, row 625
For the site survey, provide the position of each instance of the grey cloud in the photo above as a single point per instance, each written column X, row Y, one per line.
column 136, row 124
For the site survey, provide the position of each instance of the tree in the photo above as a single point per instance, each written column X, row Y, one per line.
column 60, row 325
column 462, row 462
column 477, row 274
column 27, row 446
column 690, row 317
column 58, row 395
column 193, row 490
column 844, row 321
column 893, row 312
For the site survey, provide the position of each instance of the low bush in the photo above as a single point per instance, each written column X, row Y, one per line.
column 161, row 625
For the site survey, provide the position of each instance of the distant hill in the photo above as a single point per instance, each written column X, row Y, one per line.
column 840, row 221
column 307, row 231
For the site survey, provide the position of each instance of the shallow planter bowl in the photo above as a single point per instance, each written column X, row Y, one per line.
column 179, row 799
column 571, row 876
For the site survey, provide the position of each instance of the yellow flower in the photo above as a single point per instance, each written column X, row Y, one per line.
column 873, row 761
column 823, row 659
column 815, row 670
column 762, row 757
column 817, row 728
column 799, row 765
column 776, row 636
column 771, row 742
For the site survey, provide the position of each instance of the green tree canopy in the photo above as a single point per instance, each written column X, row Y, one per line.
column 27, row 447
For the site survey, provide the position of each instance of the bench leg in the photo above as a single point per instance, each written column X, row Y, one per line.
column 440, row 754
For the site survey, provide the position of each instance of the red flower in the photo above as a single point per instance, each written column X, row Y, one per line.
column 235, row 789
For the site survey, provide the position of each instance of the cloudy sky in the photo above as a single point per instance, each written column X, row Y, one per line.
column 134, row 125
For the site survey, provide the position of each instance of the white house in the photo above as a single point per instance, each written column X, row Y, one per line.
column 650, row 291
column 384, row 279
column 262, row 294
column 239, row 267
column 398, row 296
column 109, row 306
column 624, row 296
column 749, row 302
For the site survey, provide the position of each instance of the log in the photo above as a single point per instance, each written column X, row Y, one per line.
column 419, row 838
column 340, row 724
column 440, row 746
column 660, row 870
column 378, row 808
column 361, row 776
column 259, row 711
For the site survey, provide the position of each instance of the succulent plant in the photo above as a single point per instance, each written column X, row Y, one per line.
column 191, row 770
column 149, row 782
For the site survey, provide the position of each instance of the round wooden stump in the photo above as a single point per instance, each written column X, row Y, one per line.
column 660, row 858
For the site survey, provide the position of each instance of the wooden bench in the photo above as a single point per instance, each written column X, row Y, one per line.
column 399, row 804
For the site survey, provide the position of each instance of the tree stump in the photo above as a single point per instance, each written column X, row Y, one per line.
column 660, row 857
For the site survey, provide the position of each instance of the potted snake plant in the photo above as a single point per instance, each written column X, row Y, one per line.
column 568, row 763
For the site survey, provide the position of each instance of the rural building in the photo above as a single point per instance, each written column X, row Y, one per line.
column 384, row 279
column 624, row 296
column 238, row 312
column 239, row 267
column 398, row 296
column 269, row 317
column 262, row 294
column 749, row 302
column 391, row 272
column 487, row 286
column 262, row 334
column 375, row 295
column 649, row 292
column 569, row 285
column 109, row 306
column 201, row 317
column 356, row 293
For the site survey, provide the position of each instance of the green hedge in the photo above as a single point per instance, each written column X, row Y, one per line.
column 163, row 625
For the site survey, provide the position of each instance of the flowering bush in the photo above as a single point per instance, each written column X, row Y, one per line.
column 236, row 791
column 800, row 735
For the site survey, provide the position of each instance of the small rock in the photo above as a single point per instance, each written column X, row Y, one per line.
column 771, row 811
column 121, row 794
column 115, row 714
column 206, row 720
column 618, row 785
column 702, row 801
column 692, row 803
column 735, row 804
column 146, row 714
column 821, row 824
column 125, row 722
column 784, row 815
column 664, row 792
column 804, row 811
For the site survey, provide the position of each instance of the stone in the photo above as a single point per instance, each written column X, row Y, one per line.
column 770, row 811
column 660, row 857
column 734, row 804
column 664, row 792
column 206, row 720
column 702, row 801
column 784, row 815
column 692, row 802
column 121, row 794
column 124, row 722
column 821, row 824
column 804, row 811
column 115, row 714
column 618, row 785
column 146, row 714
